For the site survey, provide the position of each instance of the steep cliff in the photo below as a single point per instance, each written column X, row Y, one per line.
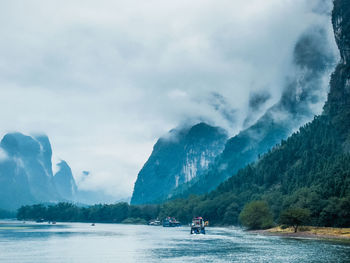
column 64, row 181
column 26, row 172
column 337, row 106
column 176, row 159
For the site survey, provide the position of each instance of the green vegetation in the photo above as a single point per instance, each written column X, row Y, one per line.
column 295, row 217
column 310, row 170
column 256, row 215
column 67, row 212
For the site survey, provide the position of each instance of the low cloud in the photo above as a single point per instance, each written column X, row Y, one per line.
column 105, row 80
column 3, row 155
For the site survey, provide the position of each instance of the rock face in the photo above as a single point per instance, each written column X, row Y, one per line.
column 339, row 96
column 26, row 172
column 337, row 106
column 64, row 181
column 313, row 62
column 26, row 175
column 176, row 159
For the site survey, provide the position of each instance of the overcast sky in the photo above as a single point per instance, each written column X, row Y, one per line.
column 104, row 79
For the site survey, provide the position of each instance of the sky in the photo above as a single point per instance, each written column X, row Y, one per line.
column 105, row 79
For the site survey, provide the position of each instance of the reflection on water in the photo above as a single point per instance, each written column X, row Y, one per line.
column 78, row 242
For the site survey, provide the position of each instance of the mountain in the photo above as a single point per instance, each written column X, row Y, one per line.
column 311, row 169
column 304, row 90
column 176, row 159
column 64, row 181
column 26, row 173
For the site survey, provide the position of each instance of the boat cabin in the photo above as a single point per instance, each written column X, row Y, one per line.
column 198, row 226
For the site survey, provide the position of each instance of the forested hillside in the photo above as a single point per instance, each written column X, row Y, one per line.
column 311, row 169
column 313, row 62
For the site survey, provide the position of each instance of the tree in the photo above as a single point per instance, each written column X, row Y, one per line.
column 231, row 215
column 295, row 217
column 256, row 215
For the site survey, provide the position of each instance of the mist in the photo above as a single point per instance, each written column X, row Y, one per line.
column 105, row 80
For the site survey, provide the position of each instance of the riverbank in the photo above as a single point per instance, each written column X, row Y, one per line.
column 308, row 232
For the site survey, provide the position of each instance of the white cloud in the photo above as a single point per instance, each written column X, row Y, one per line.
column 104, row 80
column 3, row 155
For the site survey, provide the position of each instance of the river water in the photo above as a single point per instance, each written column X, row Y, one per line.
column 79, row 242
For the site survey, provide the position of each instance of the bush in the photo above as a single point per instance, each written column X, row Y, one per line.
column 256, row 215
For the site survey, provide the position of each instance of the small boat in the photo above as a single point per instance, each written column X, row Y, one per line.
column 171, row 222
column 41, row 220
column 155, row 223
column 198, row 226
column 53, row 222
column 93, row 224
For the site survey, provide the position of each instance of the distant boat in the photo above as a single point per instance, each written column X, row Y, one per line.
column 41, row 220
column 171, row 222
column 53, row 222
column 93, row 224
column 155, row 223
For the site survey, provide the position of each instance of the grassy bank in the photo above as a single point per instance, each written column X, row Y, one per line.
column 309, row 232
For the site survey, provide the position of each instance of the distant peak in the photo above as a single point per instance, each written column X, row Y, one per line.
column 63, row 166
column 18, row 143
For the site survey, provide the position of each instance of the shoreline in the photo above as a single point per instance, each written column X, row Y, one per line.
column 308, row 232
column 304, row 232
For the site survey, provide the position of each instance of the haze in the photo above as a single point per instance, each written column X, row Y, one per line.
column 104, row 80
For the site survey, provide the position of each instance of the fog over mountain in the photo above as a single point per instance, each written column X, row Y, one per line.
column 105, row 80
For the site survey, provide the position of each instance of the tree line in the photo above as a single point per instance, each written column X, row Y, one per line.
column 103, row 213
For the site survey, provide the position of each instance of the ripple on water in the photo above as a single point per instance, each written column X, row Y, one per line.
column 78, row 242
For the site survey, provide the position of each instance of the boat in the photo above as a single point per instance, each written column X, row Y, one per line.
column 171, row 222
column 198, row 225
column 93, row 224
column 154, row 223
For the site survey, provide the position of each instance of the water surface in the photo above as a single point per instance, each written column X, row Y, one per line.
column 79, row 242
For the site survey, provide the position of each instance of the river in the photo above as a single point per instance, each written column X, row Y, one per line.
column 81, row 242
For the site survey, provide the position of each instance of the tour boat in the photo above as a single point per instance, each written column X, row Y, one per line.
column 198, row 226
column 171, row 222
